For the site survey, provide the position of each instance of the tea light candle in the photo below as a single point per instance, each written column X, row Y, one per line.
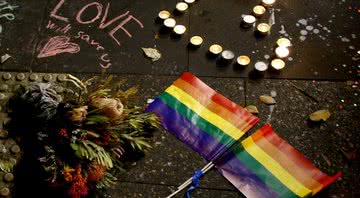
column 259, row 10
column 282, row 52
column 227, row 55
column 261, row 66
column 248, row 20
column 268, row 3
column 179, row 29
column 182, row 7
column 215, row 49
column 263, row 28
column 189, row 1
column 164, row 14
column 196, row 40
column 283, row 42
column 243, row 60
column 170, row 23
column 278, row 64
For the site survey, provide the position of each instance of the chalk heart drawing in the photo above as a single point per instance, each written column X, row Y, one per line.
column 58, row 45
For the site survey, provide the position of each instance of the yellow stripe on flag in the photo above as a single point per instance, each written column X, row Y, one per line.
column 205, row 113
column 275, row 168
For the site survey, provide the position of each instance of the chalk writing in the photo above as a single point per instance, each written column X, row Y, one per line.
column 5, row 12
column 61, row 29
column 106, row 61
column 57, row 45
column 125, row 17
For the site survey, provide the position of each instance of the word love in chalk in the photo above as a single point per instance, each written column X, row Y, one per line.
column 58, row 45
column 5, row 12
column 100, row 13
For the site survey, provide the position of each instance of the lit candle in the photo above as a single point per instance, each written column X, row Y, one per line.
column 243, row 60
column 282, row 52
column 215, row 49
column 259, row 10
column 283, row 42
column 182, row 7
column 227, row 55
column 248, row 20
column 164, row 14
column 268, row 3
column 278, row 64
column 263, row 28
column 196, row 41
column 179, row 29
column 170, row 23
column 189, row 1
column 261, row 66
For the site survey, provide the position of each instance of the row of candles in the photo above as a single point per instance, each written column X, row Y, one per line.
column 169, row 22
column 216, row 50
column 281, row 52
column 257, row 12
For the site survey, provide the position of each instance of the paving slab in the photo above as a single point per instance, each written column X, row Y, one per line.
column 322, row 143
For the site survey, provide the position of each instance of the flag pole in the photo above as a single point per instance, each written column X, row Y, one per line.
column 205, row 169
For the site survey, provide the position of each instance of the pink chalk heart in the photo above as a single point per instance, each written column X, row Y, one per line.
column 57, row 45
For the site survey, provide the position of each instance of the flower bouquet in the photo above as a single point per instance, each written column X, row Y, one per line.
column 75, row 141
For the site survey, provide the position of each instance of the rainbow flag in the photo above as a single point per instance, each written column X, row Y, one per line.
column 264, row 165
column 203, row 119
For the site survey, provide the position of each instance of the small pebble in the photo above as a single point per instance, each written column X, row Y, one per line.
column 5, row 192
column 47, row 77
column 61, row 77
column 20, row 76
column 7, row 76
column 33, row 77
column 9, row 177
column 15, row 149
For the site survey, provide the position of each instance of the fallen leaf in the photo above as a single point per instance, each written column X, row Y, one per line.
column 321, row 115
column 252, row 109
column 4, row 58
column 267, row 100
column 152, row 53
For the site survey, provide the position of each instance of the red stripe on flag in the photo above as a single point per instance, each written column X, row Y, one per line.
column 220, row 99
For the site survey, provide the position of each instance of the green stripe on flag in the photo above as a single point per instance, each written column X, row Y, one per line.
column 270, row 180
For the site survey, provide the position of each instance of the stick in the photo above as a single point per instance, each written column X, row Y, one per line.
column 205, row 169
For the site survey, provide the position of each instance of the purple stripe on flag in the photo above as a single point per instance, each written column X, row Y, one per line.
column 183, row 129
column 243, row 178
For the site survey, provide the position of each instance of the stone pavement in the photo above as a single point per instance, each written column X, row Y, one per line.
column 170, row 162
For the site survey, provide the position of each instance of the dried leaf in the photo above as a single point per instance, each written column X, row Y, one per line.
column 152, row 53
column 4, row 58
column 252, row 109
column 267, row 100
column 321, row 115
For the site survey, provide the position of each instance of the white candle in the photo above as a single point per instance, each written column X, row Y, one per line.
column 182, row 7
column 261, row 66
column 227, row 55
column 263, row 28
column 283, row 42
column 179, row 29
column 248, row 20
column 268, row 3
column 164, row 14
column 196, row 40
column 278, row 64
column 170, row 23
column 189, row 1
column 259, row 10
column 215, row 49
column 243, row 60
column 282, row 52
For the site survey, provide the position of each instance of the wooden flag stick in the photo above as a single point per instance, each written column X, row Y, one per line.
column 205, row 169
